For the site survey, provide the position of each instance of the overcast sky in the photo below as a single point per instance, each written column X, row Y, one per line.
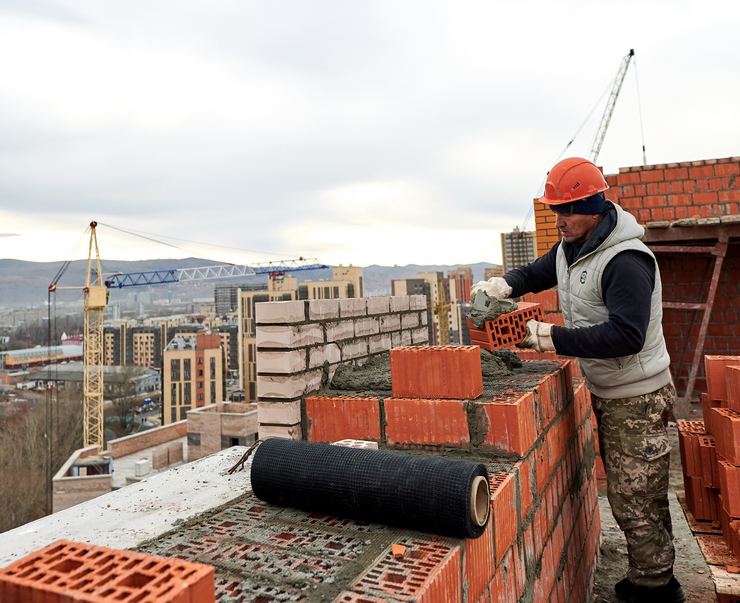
column 388, row 132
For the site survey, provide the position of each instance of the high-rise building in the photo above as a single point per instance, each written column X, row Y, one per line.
column 518, row 248
column 493, row 271
column 460, row 282
column 193, row 374
column 226, row 297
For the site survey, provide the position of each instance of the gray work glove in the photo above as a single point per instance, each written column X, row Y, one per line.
column 539, row 337
column 495, row 287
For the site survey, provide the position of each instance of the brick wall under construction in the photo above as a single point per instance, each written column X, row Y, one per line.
column 533, row 429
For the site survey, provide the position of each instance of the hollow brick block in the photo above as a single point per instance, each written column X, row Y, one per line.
column 331, row 419
column 430, row 572
column 478, row 562
column 452, row 371
column 707, row 404
column 729, row 487
column 732, row 386
column 688, row 444
column 503, row 510
column 507, row 330
column 709, row 468
column 420, row 422
column 84, row 573
column 714, row 369
column 511, row 425
column 726, row 423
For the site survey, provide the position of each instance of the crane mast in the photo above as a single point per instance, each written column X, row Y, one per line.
column 606, row 118
column 96, row 298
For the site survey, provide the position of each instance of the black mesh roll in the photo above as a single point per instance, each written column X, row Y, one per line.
column 431, row 494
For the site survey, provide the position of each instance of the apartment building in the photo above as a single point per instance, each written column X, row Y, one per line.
column 193, row 374
column 518, row 248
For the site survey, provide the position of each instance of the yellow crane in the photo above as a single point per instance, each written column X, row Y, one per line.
column 96, row 291
column 441, row 307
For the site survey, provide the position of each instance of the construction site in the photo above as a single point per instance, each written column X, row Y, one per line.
column 355, row 378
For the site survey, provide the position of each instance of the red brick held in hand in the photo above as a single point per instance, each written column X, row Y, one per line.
column 507, row 330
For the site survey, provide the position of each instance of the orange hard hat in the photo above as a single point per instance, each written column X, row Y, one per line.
column 572, row 179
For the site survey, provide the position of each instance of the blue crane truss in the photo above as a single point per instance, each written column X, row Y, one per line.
column 178, row 275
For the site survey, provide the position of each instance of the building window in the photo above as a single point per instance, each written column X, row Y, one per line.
column 200, row 372
column 173, row 415
column 200, row 397
column 173, row 394
column 186, row 395
column 200, row 385
column 200, row 360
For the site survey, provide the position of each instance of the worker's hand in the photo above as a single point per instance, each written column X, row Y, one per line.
column 539, row 337
column 495, row 287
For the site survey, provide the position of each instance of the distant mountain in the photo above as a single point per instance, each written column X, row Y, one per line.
column 26, row 284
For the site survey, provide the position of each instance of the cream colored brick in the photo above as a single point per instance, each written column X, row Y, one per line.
column 378, row 305
column 291, row 386
column 391, row 322
column 325, row 353
column 294, row 336
column 366, row 326
column 356, row 306
column 420, row 335
column 399, row 303
column 280, row 312
column 401, row 338
column 424, row 318
column 409, row 321
column 355, row 349
column 285, row 432
column 291, row 361
column 379, row 343
column 323, row 309
column 279, row 413
column 417, row 302
column 338, row 331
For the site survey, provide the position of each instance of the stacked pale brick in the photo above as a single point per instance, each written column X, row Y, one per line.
column 542, row 539
column 301, row 343
column 710, row 450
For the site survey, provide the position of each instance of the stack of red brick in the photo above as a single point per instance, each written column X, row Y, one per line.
column 710, row 450
column 541, row 452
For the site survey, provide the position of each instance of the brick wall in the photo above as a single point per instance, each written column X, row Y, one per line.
column 301, row 343
column 544, row 510
column 147, row 439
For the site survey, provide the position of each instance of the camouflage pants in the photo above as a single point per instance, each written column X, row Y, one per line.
column 634, row 447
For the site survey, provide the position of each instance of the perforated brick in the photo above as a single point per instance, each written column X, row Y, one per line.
column 507, row 330
column 72, row 571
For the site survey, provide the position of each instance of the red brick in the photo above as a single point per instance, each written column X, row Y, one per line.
column 524, row 470
column 727, row 169
column 714, row 369
column 704, row 171
column 511, row 425
column 707, row 404
column 732, row 387
column 413, row 423
column 507, row 330
column 548, row 300
column 479, row 563
column 729, row 486
column 688, row 444
column 452, row 371
column 430, row 572
column 726, row 422
column 709, row 469
column 331, row 419
column 503, row 511
column 72, row 571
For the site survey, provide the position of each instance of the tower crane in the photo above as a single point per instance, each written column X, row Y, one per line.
column 96, row 291
column 606, row 118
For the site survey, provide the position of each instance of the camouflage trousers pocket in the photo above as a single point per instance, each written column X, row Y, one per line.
column 645, row 446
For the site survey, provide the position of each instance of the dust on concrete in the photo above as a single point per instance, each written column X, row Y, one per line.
column 689, row 568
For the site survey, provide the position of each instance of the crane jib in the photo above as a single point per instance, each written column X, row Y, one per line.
column 157, row 277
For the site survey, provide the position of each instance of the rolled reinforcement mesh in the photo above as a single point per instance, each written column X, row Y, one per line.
column 431, row 494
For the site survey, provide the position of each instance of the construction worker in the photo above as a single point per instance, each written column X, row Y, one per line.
column 610, row 294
